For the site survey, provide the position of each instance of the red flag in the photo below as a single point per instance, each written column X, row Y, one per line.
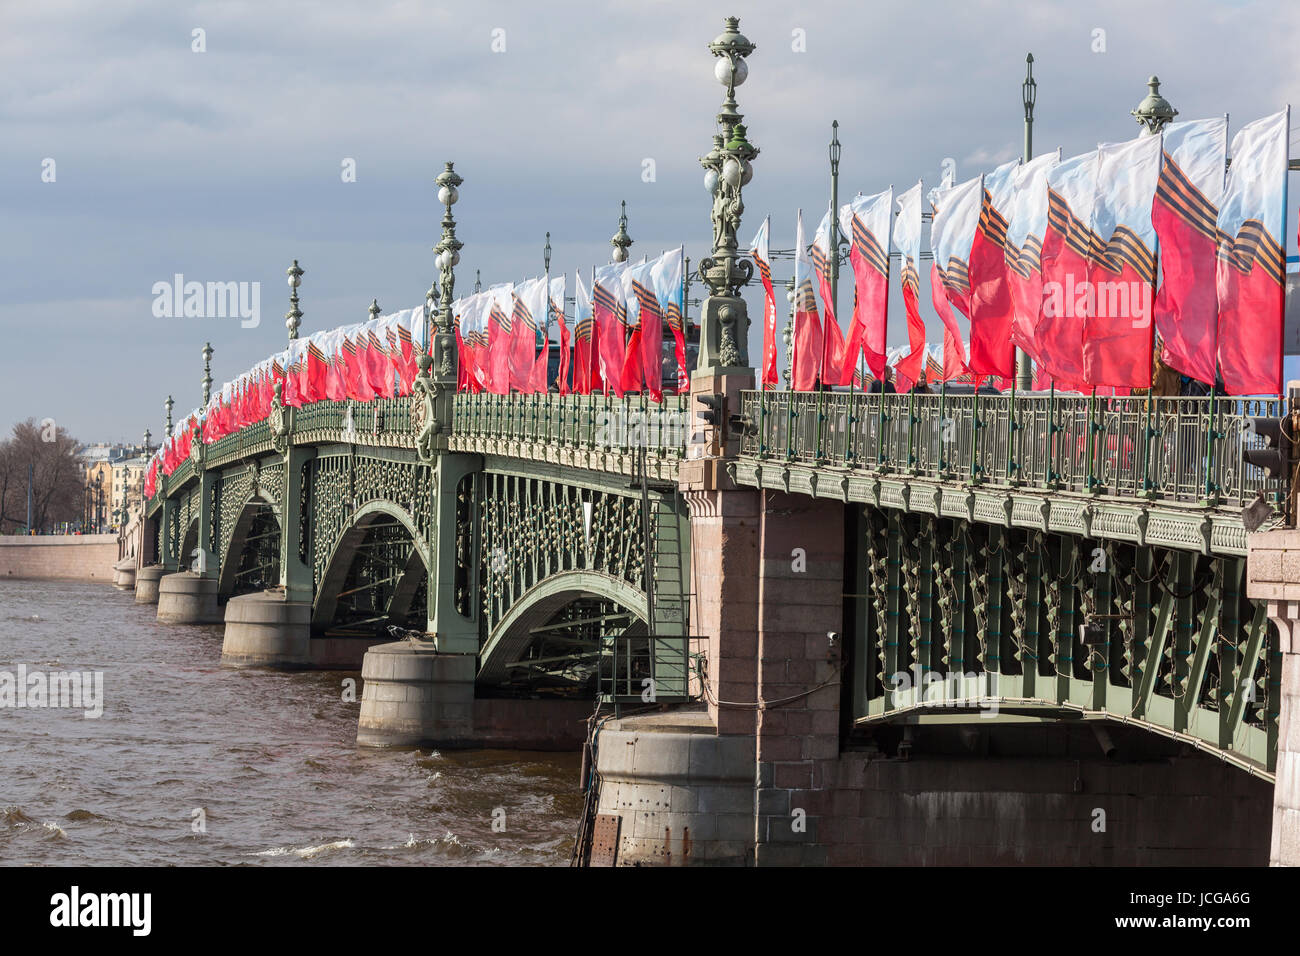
column 867, row 221
column 1067, row 248
column 1025, row 231
column 1117, row 331
column 954, row 352
column 556, row 294
column 807, row 345
column 650, row 328
column 606, row 297
column 1250, row 275
column 761, row 252
column 991, row 351
column 500, row 340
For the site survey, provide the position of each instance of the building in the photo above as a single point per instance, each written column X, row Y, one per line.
column 127, row 489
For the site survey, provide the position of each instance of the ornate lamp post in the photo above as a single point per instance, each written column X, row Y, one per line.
column 478, row 281
column 727, row 168
column 621, row 241
column 835, row 238
column 293, row 318
column 1154, row 111
column 787, row 334
column 169, row 404
column 207, row 373
column 448, row 257
column 1028, row 96
column 147, row 435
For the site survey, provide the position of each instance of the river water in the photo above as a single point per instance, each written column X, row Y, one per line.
column 195, row 764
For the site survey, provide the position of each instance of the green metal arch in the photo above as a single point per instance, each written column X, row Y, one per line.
column 229, row 560
column 340, row 559
column 511, row 636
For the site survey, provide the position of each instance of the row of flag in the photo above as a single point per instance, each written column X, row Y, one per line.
column 1080, row 262
column 503, row 345
column 617, row 342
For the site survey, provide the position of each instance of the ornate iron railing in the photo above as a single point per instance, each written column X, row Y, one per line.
column 250, row 440
column 598, row 423
column 383, row 421
column 1179, row 449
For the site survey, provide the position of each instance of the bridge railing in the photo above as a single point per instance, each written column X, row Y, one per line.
column 586, row 422
column 382, row 421
column 1130, row 447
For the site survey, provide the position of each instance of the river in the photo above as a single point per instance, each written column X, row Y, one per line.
column 195, row 764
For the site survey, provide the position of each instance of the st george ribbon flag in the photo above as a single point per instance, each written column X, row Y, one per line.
column 805, row 362
column 991, row 351
column 500, row 337
column 584, row 340
column 643, row 367
column 760, row 249
column 536, row 301
column 1250, row 276
column 666, row 274
column 1025, row 231
column 1117, row 331
column 473, row 328
column 556, row 293
column 952, row 231
column 607, row 304
column 832, row 339
column 907, row 239
column 866, row 221
column 1067, row 249
column 524, row 323
column 1186, row 208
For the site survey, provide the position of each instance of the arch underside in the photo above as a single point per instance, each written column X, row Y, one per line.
column 251, row 559
column 550, row 637
column 376, row 576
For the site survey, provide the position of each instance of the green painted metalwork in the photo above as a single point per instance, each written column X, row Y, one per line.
column 929, row 434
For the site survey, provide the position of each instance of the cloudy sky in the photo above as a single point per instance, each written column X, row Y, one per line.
column 225, row 165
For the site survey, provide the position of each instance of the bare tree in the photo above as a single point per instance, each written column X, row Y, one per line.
column 57, row 477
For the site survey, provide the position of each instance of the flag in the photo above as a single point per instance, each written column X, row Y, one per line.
column 1117, row 331
column 633, row 371
column 607, row 304
column 500, row 337
column 822, row 256
column 556, row 293
column 315, row 370
column 991, row 350
column 667, row 276
column 1250, row 275
column 866, row 220
column 761, row 251
column 410, row 324
column 1186, row 206
column 1068, row 246
column 645, row 287
column 584, row 341
column 538, row 302
column 1025, row 230
column 474, row 324
column 907, row 239
column 807, row 345
column 954, row 351
column 523, row 332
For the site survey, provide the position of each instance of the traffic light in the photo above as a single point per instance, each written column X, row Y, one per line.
column 1274, row 453
column 714, row 409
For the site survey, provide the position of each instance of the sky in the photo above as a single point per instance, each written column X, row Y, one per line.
column 226, row 163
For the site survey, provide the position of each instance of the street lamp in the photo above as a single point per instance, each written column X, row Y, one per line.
column 169, row 404
column 728, row 167
column 833, row 254
column 207, row 373
column 1154, row 112
column 293, row 318
column 787, row 335
column 1028, row 96
column 621, row 241
column 147, row 435
column 447, row 258
column 546, row 254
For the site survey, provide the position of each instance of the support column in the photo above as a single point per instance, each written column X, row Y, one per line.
column 801, row 613
column 453, row 632
column 273, row 628
column 1273, row 575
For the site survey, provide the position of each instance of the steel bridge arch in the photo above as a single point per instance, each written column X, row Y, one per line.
column 239, row 534
column 511, row 636
column 345, row 547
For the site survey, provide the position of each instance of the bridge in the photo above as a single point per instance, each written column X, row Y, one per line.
column 825, row 626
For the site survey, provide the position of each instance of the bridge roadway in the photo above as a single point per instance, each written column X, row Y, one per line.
column 852, row 598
